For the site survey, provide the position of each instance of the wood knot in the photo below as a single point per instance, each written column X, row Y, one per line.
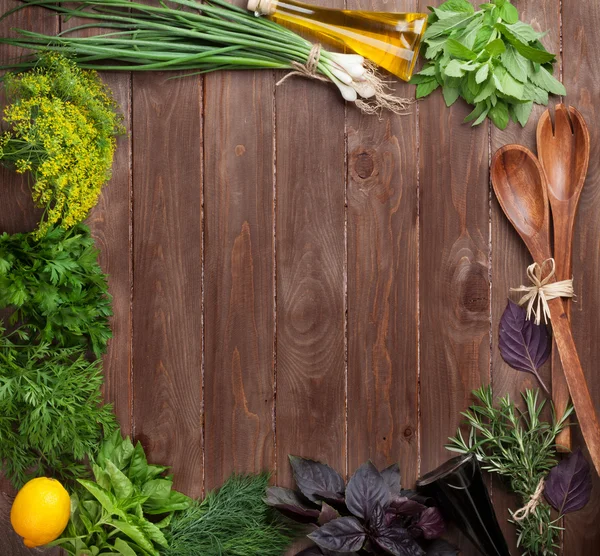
column 239, row 150
column 476, row 292
column 408, row 432
column 363, row 163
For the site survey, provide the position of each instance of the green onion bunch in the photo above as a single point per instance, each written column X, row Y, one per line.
column 202, row 37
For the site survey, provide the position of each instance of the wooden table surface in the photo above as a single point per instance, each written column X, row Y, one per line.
column 292, row 277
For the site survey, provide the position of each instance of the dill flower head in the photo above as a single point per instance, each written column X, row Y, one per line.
column 62, row 123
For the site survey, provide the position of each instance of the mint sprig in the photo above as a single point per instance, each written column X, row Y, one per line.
column 490, row 58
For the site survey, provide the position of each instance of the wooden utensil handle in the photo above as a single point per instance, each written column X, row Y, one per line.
column 563, row 253
column 580, row 394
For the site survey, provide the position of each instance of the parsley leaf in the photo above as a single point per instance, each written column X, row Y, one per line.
column 489, row 58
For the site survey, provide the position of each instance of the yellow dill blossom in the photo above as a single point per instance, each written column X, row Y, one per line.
column 62, row 124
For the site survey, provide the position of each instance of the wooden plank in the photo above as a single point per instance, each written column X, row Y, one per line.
column 167, row 281
column 453, row 279
column 310, row 406
column 238, row 275
column 510, row 257
column 580, row 75
column 382, row 283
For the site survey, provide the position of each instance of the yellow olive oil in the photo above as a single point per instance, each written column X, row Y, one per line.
column 391, row 40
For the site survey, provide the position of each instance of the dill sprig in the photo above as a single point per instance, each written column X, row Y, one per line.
column 517, row 445
column 62, row 124
column 232, row 521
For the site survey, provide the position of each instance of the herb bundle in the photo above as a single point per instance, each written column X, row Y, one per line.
column 62, row 126
column 371, row 515
column 50, row 400
column 489, row 58
column 113, row 513
column 204, row 37
column 517, row 445
column 232, row 521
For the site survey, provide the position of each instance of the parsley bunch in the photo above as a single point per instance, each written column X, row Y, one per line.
column 489, row 58
column 56, row 289
column 62, row 126
column 51, row 415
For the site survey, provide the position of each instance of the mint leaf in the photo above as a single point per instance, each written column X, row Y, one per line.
column 507, row 84
column 546, row 81
column 522, row 112
column 457, row 6
column 529, row 52
column 427, row 87
column 487, row 91
column 495, row 48
column 451, row 94
column 456, row 49
column 455, row 69
column 482, row 73
column 509, row 13
column 444, row 25
column 499, row 115
column 517, row 65
column 522, row 31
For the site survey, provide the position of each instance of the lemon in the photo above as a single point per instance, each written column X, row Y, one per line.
column 40, row 511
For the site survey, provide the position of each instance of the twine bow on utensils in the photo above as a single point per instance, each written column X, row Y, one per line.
column 542, row 290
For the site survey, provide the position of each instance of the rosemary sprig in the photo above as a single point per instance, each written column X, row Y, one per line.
column 519, row 446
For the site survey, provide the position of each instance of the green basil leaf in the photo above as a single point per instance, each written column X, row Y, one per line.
column 124, row 548
column 457, row 6
column 457, row 50
column 121, row 485
column 92, row 509
column 106, row 498
column 499, row 115
column 517, row 65
column 426, row 88
column 150, row 530
column 482, row 73
column 157, row 491
column 136, row 535
column 509, row 13
column 450, row 95
column 546, row 81
column 529, row 52
column 522, row 112
column 164, row 522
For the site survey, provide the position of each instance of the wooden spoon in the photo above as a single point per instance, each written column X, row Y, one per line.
column 564, row 153
column 520, row 185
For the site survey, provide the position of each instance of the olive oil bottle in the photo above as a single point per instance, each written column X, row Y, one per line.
column 390, row 40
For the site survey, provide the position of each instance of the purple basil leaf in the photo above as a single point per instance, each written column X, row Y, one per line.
column 524, row 345
column 402, row 505
column 569, row 484
column 398, row 541
column 440, row 547
column 345, row 534
column 327, row 514
column 289, row 503
column 431, row 523
column 377, row 521
column 329, row 496
column 313, row 476
column 391, row 477
column 417, row 497
column 365, row 490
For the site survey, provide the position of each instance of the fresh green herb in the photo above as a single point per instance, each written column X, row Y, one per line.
column 517, row 445
column 56, row 289
column 232, row 521
column 488, row 57
column 115, row 514
column 51, row 415
column 62, row 124
column 177, row 35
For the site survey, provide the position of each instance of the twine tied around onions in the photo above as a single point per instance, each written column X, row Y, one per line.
column 542, row 290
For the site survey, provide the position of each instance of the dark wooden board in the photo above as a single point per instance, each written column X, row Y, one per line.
column 581, row 71
column 382, row 284
column 310, row 178
column 239, row 263
column 167, row 279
